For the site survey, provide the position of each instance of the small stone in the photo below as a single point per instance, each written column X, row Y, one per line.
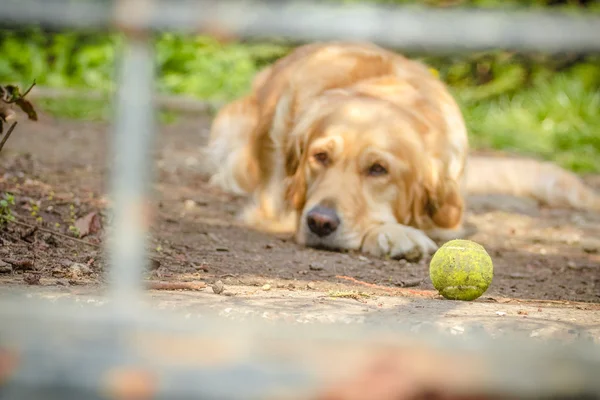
column 222, row 249
column 62, row 282
column 590, row 245
column 311, row 285
column 65, row 262
column 189, row 204
column 500, row 313
column 218, row 287
column 266, row 287
column 572, row 265
column 77, row 270
column 363, row 258
column 315, row 266
column 268, row 246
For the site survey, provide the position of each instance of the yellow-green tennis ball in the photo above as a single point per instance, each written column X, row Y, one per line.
column 461, row 270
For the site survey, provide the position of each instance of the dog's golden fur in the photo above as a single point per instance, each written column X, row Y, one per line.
column 374, row 136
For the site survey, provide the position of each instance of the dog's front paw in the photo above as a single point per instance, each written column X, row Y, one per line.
column 398, row 241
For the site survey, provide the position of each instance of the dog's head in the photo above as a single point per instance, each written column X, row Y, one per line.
column 356, row 162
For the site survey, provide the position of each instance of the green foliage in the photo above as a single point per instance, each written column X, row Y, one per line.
column 198, row 66
column 6, row 203
column 203, row 67
column 89, row 109
column 537, row 104
column 557, row 120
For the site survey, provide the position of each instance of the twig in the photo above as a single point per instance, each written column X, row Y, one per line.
column 8, row 133
column 57, row 234
column 427, row 293
column 161, row 285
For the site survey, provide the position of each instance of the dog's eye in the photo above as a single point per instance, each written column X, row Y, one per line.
column 321, row 158
column 377, row 170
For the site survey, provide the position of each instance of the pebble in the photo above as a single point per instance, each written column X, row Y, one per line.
column 189, row 204
column 218, row 287
column 315, row 266
column 311, row 285
column 76, row 270
column 266, row 287
column 591, row 245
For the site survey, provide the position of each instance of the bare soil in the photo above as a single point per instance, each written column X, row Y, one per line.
column 57, row 171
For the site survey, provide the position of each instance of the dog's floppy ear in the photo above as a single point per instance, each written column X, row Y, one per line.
column 296, row 143
column 444, row 204
column 295, row 156
column 294, row 149
column 433, row 198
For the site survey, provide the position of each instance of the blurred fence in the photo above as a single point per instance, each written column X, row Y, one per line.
column 125, row 351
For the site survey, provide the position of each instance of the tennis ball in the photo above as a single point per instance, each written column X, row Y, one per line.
column 461, row 270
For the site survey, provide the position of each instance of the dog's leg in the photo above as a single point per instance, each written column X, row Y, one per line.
column 398, row 241
column 232, row 166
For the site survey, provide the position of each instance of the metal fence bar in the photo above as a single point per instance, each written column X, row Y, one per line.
column 402, row 27
column 130, row 175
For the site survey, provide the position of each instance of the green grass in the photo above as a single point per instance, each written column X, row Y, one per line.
column 77, row 108
column 558, row 120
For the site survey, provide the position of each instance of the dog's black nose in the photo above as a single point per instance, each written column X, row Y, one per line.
column 322, row 221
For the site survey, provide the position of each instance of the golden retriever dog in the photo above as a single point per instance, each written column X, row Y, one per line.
column 351, row 146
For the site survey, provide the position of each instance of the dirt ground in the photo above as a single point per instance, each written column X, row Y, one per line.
column 57, row 169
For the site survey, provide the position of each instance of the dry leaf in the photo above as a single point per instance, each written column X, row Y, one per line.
column 89, row 224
